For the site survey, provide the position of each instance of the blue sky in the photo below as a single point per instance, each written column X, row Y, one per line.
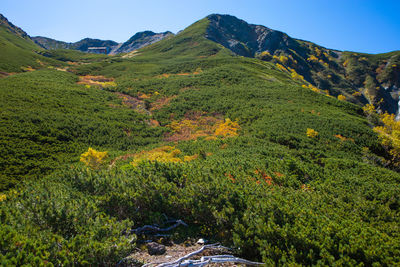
column 356, row 25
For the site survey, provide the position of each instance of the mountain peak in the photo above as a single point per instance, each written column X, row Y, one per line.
column 246, row 39
column 12, row 28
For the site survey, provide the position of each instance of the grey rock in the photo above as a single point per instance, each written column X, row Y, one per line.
column 154, row 248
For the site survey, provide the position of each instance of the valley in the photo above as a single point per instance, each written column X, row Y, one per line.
column 258, row 141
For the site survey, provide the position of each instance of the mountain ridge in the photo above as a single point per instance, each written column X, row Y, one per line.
column 138, row 40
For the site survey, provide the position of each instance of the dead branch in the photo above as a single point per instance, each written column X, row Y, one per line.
column 186, row 262
column 148, row 229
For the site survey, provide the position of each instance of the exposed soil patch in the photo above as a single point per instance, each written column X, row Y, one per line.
column 6, row 74
column 131, row 54
column 161, row 102
column 135, row 103
column 167, row 75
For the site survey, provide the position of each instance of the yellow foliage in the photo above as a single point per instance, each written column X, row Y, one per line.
column 3, row 197
column 369, row 109
column 295, row 75
column 190, row 158
column 281, row 67
column 311, row 133
column 93, row 158
column 165, row 154
column 283, row 59
column 265, row 53
column 312, row 58
column 356, row 93
column 143, row 95
column 389, row 134
column 318, row 51
column 346, row 63
column 228, row 128
column 341, row 97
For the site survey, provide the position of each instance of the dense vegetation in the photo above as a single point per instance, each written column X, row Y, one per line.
column 235, row 146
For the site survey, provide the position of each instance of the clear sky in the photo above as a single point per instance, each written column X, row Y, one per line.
column 371, row 26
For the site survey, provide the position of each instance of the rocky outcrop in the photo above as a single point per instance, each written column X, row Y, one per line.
column 139, row 40
column 12, row 28
column 247, row 39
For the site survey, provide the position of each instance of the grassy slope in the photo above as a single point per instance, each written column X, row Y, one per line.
column 48, row 120
column 16, row 53
column 329, row 201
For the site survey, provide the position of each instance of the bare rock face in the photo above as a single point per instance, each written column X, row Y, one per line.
column 247, row 39
column 12, row 28
column 154, row 248
column 139, row 40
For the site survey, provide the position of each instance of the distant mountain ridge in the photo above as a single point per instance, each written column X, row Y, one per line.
column 139, row 40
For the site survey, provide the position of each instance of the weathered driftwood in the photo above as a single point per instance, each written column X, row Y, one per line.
column 150, row 229
column 186, row 262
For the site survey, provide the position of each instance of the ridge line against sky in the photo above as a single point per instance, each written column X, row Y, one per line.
column 369, row 26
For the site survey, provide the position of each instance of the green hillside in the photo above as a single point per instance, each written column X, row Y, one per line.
column 18, row 54
column 237, row 147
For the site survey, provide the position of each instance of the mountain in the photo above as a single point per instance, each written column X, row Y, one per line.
column 139, row 40
column 17, row 50
column 245, row 150
column 361, row 78
column 12, row 28
column 81, row 45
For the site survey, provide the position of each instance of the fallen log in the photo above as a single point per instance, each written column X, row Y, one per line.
column 186, row 262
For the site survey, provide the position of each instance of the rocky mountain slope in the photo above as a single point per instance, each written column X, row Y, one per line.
column 12, row 28
column 361, row 78
column 139, row 40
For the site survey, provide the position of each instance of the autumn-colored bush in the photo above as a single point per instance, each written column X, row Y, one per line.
column 93, row 158
column 341, row 97
column 311, row 133
column 389, row 134
column 228, row 128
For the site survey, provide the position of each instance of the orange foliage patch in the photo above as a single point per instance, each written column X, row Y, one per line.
column 342, row 138
column 230, row 177
column 154, row 123
column 264, row 176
